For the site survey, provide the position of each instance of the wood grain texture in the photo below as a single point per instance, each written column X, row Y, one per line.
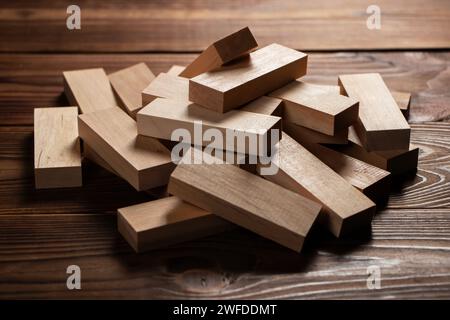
column 31, row 26
column 29, row 81
column 168, row 86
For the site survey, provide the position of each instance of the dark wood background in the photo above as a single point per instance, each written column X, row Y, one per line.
column 42, row 232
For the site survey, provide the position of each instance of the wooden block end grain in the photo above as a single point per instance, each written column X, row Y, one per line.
column 57, row 158
column 165, row 222
column 128, row 84
column 246, row 79
column 246, row 200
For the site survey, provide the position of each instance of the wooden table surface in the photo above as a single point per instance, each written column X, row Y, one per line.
column 43, row 232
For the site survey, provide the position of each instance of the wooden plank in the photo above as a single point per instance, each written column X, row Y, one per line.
column 89, row 89
column 166, row 86
column 57, row 158
column 300, row 133
column 220, row 52
column 381, row 125
column 403, row 100
column 315, row 107
column 344, row 208
column 175, row 27
column 165, row 222
column 265, row 105
column 246, row 200
column 162, row 117
column 395, row 161
column 175, row 70
column 144, row 162
column 128, row 84
column 240, row 82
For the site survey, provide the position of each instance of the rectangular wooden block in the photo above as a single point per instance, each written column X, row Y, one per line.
column 162, row 117
column 403, row 100
column 144, row 162
column 128, row 84
column 220, row 52
column 242, row 81
column 246, row 200
column 381, row 125
column 315, row 107
column 57, row 158
column 166, row 86
column 175, row 70
column 265, row 105
column 395, row 161
column 165, row 222
column 344, row 207
column 303, row 134
column 89, row 89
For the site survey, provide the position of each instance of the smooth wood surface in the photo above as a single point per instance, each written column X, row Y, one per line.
column 162, row 117
column 144, row 162
column 117, row 26
column 164, row 222
column 304, row 134
column 168, row 86
column 315, row 107
column 246, row 200
column 265, row 105
column 248, row 78
column 403, row 100
column 381, row 125
column 128, row 84
column 57, row 157
column 345, row 209
column 175, row 70
column 89, row 89
column 220, row 52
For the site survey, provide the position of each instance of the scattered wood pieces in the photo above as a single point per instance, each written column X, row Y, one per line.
column 166, row 86
column 242, row 81
column 403, row 100
column 220, row 52
column 303, row 134
column 175, row 70
column 265, row 105
column 128, row 84
column 57, row 158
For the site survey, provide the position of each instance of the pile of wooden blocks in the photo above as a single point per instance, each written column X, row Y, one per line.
column 338, row 145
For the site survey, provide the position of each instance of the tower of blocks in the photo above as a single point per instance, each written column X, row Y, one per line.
column 235, row 139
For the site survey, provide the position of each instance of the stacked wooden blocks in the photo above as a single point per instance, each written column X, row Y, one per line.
column 234, row 138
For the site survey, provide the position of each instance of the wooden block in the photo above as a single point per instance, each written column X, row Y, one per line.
column 144, row 162
column 165, row 222
column 344, row 207
column 370, row 180
column 381, row 125
column 220, row 52
column 265, row 105
column 403, row 100
column 166, row 86
column 128, row 84
column 175, row 70
column 303, row 134
column 315, row 107
column 161, row 117
column 57, row 158
column 395, row 161
column 242, row 81
column 89, row 89
column 246, row 200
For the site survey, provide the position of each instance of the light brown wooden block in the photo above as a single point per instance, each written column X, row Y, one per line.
column 265, row 105
column 161, row 117
column 220, row 52
column 89, row 89
column 242, row 81
column 128, row 84
column 246, row 200
column 144, row 162
column 315, row 107
column 303, row 134
column 394, row 161
column 175, row 70
column 370, row 180
column 165, row 222
column 166, row 86
column 344, row 207
column 57, row 159
column 381, row 125
column 403, row 100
